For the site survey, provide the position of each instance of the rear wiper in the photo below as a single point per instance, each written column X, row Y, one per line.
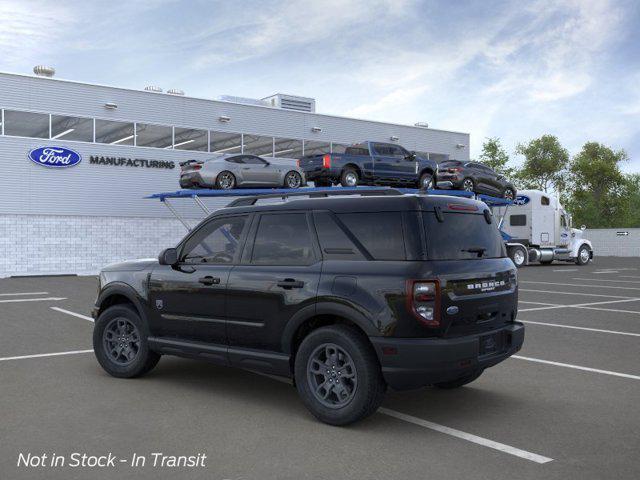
column 479, row 250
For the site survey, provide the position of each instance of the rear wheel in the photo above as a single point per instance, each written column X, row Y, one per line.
column 508, row 194
column 584, row 255
column 426, row 181
column 225, row 180
column 338, row 376
column 293, row 179
column 459, row 382
column 468, row 185
column 120, row 343
column 349, row 178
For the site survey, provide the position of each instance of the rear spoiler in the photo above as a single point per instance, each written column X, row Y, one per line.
column 189, row 162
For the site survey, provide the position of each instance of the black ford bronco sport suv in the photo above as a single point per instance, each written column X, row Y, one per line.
column 347, row 295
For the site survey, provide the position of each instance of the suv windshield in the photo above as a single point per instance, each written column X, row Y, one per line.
column 462, row 236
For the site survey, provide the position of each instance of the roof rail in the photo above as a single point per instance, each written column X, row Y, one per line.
column 318, row 193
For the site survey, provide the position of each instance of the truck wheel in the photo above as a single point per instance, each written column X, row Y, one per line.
column 349, row 178
column 426, row 181
column 338, row 376
column 584, row 255
column 225, row 180
column 120, row 343
column 518, row 256
column 459, row 382
column 468, row 185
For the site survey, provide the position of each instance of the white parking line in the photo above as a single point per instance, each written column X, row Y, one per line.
column 47, row 299
column 23, row 293
column 581, row 285
column 575, row 293
column 610, row 310
column 485, row 442
column 607, row 280
column 629, row 276
column 606, row 271
column 578, row 367
column 40, row 355
column 541, row 303
column 567, row 270
column 598, row 330
column 579, row 305
column 73, row 314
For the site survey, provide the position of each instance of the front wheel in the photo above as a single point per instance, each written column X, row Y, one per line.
column 338, row 376
column 584, row 255
column 518, row 256
column 293, row 179
column 426, row 181
column 120, row 343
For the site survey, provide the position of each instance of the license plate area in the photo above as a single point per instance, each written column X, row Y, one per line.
column 493, row 344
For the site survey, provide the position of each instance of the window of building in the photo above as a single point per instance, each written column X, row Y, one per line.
column 26, row 124
column 191, row 139
column 518, row 220
column 224, row 142
column 258, row 145
column 283, row 239
column 379, row 233
column 316, row 148
column 287, row 148
column 215, row 243
column 114, row 133
column 71, row 128
column 157, row 136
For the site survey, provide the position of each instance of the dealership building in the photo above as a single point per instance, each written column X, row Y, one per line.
column 127, row 144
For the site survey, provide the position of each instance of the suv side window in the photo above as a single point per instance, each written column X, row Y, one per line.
column 334, row 242
column 283, row 239
column 381, row 233
column 215, row 243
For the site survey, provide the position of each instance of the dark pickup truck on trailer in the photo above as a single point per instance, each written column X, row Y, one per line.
column 345, row 295
column 370, row 163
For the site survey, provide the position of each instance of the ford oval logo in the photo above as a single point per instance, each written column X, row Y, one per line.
column 521, row 200
column 55, row 157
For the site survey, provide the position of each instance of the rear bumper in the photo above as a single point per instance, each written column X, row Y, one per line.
column 418, row 362
column 191, row 180
column 447, row 182
column 321, row 173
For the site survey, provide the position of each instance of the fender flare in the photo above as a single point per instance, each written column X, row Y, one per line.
column 324, row 308
column 125, row 290
column 580, row 243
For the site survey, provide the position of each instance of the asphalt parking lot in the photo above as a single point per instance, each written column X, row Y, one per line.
column 568, row 406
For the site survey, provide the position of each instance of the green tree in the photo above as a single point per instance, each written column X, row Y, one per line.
column 599, row 193
column 545, row 164
column 495, row 156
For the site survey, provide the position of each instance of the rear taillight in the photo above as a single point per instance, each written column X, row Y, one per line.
column 423, row 300
column 197, row 166
column 454, row 170
column 298, row 163
column 326, row 161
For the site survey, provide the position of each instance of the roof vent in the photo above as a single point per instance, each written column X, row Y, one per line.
column 44, row 71
column 422, row 124
column 153, row 88
column 175, row 91
column 291, row 102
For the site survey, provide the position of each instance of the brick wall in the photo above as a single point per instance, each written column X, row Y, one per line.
column 47, row 244
column 613, row 241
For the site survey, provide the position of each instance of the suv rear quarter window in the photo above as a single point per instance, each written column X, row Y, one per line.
column 379, row 233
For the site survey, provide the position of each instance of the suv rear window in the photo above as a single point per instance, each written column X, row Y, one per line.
column 460, row 232
column 379, row 233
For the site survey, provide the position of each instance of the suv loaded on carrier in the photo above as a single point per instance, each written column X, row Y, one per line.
column 347, row 295
column 474, row 177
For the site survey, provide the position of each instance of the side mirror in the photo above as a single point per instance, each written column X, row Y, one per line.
column 169, row 256
column 411, row 156
column 583, row 227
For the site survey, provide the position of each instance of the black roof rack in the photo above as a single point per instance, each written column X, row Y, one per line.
column 317, row 193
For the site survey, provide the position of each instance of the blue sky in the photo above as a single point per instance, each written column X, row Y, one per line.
column 515, row 70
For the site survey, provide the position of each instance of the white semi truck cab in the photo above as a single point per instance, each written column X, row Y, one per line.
column 538, row 229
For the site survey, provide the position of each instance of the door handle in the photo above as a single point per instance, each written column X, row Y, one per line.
column 208, row 280
column 289, row 283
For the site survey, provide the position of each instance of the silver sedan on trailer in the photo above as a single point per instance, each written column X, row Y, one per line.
column 241, row 170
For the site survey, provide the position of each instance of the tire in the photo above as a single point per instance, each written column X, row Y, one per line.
column 349, row 177
column 509, row 194
column 584, row 255
column 518, row 256
column 426, row 181
column 108, row 325
column 362, row 384
column 468, row 185
column 225, row 180
column 459, row 382
column 292, row 179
